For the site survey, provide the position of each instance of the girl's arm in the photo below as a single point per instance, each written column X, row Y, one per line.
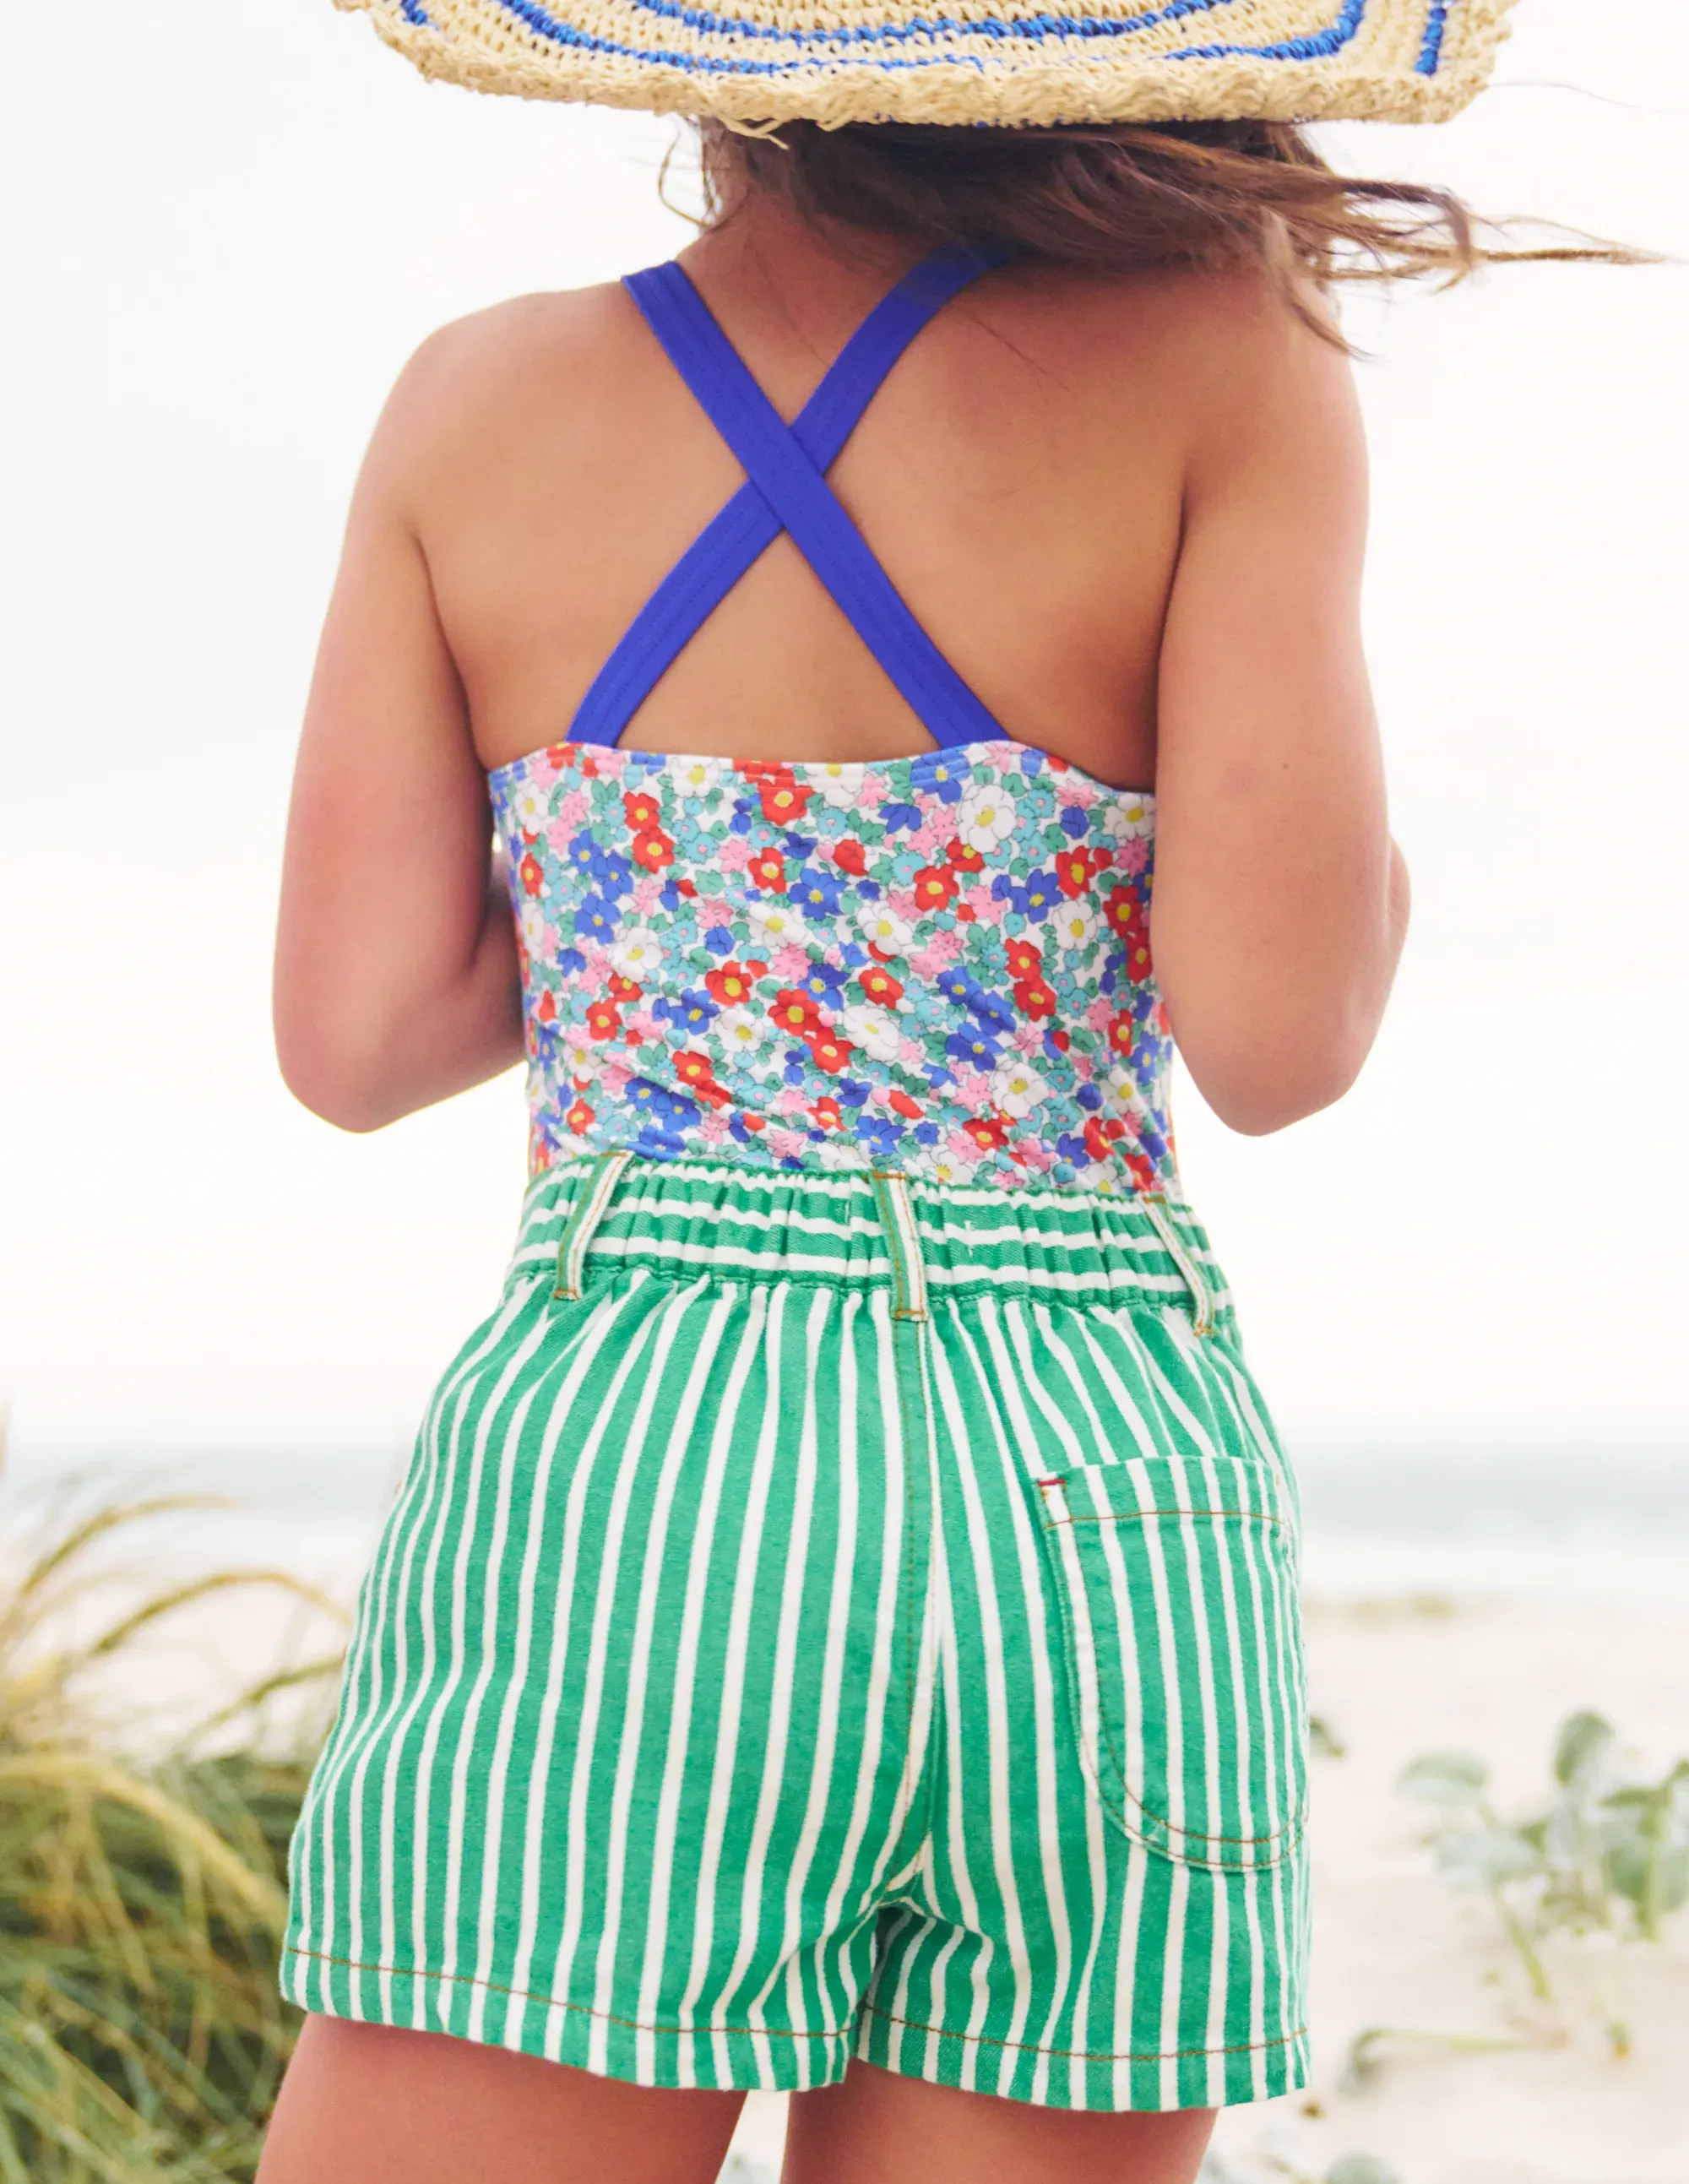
column 1280, row 903
column 396, row 975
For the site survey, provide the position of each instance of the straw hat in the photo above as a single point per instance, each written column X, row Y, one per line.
column 833, row 61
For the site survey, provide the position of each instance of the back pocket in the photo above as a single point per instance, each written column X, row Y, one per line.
column 1178, row 1583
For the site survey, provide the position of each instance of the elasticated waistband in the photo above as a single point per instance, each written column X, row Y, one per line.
column 692, row 1219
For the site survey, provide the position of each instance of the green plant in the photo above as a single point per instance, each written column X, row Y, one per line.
column 142, row 1897
column 1607, row 1854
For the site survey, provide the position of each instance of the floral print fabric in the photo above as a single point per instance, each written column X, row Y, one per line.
column 940, row 964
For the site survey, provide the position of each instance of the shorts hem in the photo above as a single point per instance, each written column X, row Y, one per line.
column 607, row 2043
column 1130, row 2081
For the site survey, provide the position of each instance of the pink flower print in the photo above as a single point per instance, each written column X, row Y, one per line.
column 972, row 1091
column 927, row 841
column 1039, row 1157
column 733, row 855
column 1028, row 1038
column 648, row 894
column 901, row 903
column 988, row 909
column 962, row 1150
column 870, row 790
column 788, row 1145
column 939, row 954
column 574, row 808
column 713, row 1128
column 789, row 1100
column 1132, row 857
column 712, row 911
column 644, row 1026
column 542, row 769
column 615, row 1076
column 789, row 962
column 913, row 1054
column 1099, row 1015
column 578, row 1037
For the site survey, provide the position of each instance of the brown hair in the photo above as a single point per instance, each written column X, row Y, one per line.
column 1115, row 198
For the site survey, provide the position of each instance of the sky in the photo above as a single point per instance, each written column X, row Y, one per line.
column 223, row 234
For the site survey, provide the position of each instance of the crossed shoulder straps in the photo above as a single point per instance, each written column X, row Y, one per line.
column 786, row 489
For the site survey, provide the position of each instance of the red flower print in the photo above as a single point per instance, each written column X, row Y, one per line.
column 604, row 1020
column 1025, row 959
column 1032, row 998
column 1124, row 906
column 698, row 1071
column 589, row 767
column 934, row 887
column 1142, row 1170
column 1075, row 869
column 991, row 1131
column 685, row 888
column 964, row 859
column 1060, row 1039
column 562, row 754
column 826, row 1113
column 547, row 1011
column 533, row 875
column 850, row 856
column 829, row 1053
column 878, row 985
column 901, row 1104
column 579, row 1118
column 783, row 798
column 652, row 849
column 768, row 870
column 1121, row 1032
column 642, row 810
column 624, row 989
column 732, row 984
column 1097, row 1141
column 795, row 1012
column 965, row 913
column 754, row 1122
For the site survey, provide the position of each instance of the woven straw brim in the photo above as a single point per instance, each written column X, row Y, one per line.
column 834, row 61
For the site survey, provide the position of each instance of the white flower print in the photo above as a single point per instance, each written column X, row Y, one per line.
column 985, row 819
column 874, row 1029
column 637, row 953
column 1074, row 926
column 738, row 1031
column 882, row 930
column 696, row 776
column 837, row 783
column 1017, row 1089
column 1126, row 817
column 940, row 1029
column 529, row 806
column 775, row 923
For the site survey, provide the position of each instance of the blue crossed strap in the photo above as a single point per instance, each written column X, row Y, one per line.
column 786, row 489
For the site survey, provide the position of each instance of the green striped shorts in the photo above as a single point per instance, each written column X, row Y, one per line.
column 832, row 1615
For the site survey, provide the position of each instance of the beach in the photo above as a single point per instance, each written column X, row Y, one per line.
column 1464, row 1601
column 1395, row 1948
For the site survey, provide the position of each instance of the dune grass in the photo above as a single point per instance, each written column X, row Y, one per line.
column 142, row 1893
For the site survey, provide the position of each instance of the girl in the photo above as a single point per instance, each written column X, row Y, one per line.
column 838, row 1629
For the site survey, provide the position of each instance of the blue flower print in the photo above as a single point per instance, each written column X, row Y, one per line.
column 664, row 905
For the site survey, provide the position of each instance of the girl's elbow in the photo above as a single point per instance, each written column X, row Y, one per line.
column 1265, row 1088
column 334, row 1079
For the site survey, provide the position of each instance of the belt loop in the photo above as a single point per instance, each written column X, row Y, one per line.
column 897, row 1219
column 582, row 1226
column 1201, row 1297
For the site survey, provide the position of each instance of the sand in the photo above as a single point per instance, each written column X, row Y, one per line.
column 1394, row 1947
column 1394, row 1944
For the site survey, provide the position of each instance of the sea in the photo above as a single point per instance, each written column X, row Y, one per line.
column 1381, row 1521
